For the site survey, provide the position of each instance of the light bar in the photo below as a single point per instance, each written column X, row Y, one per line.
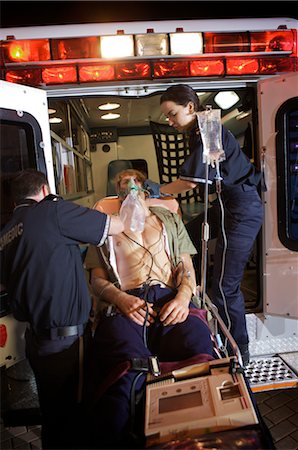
column 40, row 62
column 186, row 43
column 119, row 46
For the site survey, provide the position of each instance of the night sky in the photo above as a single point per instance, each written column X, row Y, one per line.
column 26, row 13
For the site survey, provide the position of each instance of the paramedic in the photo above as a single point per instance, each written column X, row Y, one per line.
column 41, row 268
column 243, row 210
column 149, row 279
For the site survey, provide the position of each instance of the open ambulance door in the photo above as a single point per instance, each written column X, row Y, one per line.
column 25, row 143
column 278, row 127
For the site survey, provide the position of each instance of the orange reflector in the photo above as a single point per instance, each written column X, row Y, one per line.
column 57, row 75
column 170, row 69
column 102, row 72
column 205, row 68
column 226, row 42
column 241, row 66
column 273, row 41
column 3, row 335
column 25, row 51
column 75, row 48
column 30, row 76
column 133, row 70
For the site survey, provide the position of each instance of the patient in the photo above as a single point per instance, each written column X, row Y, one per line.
column 144, row 283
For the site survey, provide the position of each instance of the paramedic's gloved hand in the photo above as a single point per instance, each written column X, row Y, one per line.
column 153, row 188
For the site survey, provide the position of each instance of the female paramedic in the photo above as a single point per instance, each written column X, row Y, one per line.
column 243, row 210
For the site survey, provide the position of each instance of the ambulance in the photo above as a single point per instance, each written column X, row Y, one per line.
column 80, row 101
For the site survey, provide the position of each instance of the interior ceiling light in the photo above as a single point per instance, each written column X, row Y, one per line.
column 55, row 120
column 110, row 116
column 226, row 99
column 108, row 106
column 51, row 111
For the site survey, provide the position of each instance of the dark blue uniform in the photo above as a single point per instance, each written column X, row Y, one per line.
column 243, row 219
column 41, row 267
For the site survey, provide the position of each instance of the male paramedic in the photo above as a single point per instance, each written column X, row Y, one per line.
column 147, row 281
column 41, row 268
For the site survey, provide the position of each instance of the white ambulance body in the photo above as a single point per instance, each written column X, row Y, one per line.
column 75, row 68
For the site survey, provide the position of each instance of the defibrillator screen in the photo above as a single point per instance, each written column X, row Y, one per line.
column 177, row 402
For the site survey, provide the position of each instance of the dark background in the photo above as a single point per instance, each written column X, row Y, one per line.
column 33, row 13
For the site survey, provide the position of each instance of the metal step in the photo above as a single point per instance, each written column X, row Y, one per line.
column 270, row 372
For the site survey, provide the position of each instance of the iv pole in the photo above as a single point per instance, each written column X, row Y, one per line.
column 205, row 239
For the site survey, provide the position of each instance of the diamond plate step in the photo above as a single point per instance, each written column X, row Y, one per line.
column 270, row 372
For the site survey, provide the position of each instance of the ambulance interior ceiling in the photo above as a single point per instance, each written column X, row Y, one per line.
column 136, row 113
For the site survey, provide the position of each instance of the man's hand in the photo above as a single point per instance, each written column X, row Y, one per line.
column 173, row 312
column 136, row 309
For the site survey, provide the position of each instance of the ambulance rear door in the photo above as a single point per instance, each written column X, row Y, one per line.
column 25, row 143
column 278, row 138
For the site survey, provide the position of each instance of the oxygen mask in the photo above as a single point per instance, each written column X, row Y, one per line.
column 132, row 211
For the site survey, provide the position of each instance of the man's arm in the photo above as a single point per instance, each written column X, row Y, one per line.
column 116, row 226
column 177, row 310
column 131, row 306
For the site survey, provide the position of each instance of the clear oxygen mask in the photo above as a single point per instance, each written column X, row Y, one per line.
column 211, row 132
column 132, row 211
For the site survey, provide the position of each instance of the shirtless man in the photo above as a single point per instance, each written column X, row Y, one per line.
column 149, row 279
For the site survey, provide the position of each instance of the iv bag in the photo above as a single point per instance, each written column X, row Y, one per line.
column 132, row 212
column 211, row 131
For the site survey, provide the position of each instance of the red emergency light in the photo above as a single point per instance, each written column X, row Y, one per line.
column 75, row 48
column 26, row 51
column 31, row 77
column 242, row 66
column 99, row 72
column 207, row 67
column 133, row 71
column 166, row 69
column 60, row 74
column 274, row 41
column 226, row 42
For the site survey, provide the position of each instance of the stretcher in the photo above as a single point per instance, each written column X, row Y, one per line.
column 200, row 403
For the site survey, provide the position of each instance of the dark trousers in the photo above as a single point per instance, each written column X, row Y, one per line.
column 243, row 217
column 55, row 365
column 243, row 220
column 119, row 339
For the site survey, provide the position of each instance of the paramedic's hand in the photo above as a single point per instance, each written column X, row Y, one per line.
column 173, row 312
column 152, row 188
column 135, row 308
